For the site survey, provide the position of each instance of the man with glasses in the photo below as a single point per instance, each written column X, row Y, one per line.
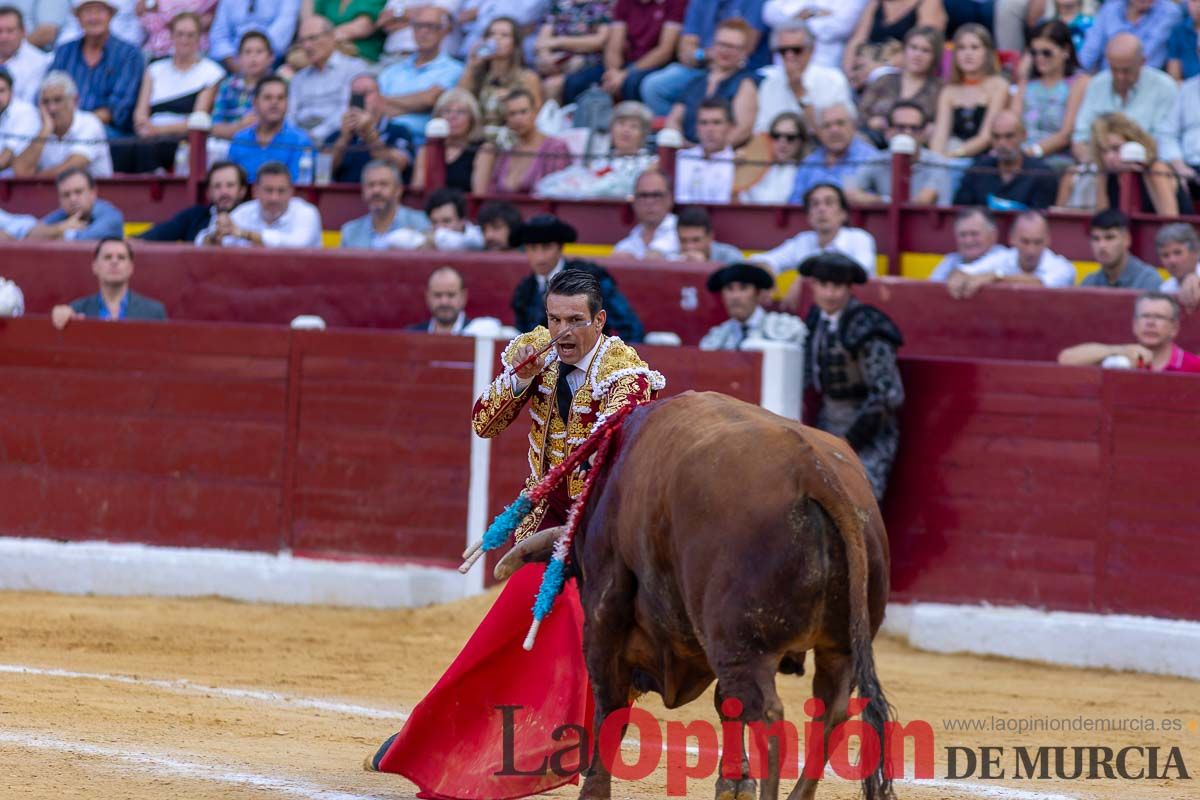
column 931, row 180
column 1155, row 326
column 663, row 88
column 411, row 87
column 831, row 21
column 655, row 235
column 801, row 85
column 320, row 93
column 69, row 137
column 235, row 18
column 841, row 152
column 1006, row 179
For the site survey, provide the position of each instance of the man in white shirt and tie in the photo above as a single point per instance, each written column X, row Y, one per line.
column 274, row 218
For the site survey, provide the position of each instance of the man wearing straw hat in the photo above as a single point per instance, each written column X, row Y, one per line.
column 571, row 377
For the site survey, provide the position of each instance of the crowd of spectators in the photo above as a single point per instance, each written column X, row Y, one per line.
column 1003, row 98
column 1006, row 105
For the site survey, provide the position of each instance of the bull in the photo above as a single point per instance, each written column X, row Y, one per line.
column 722, row 543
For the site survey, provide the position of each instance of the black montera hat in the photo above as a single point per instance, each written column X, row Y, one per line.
column 740, row 272
column 833, row 267
column 543, row 229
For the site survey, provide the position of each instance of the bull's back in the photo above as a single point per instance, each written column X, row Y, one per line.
column 715, row 516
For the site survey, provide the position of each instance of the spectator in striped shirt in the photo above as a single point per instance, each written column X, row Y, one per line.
column 233, row 110
column 107, row 71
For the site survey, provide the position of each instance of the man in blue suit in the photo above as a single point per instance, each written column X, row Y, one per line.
column 113, row 267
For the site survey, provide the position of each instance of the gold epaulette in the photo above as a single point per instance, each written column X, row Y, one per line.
column 539, row 337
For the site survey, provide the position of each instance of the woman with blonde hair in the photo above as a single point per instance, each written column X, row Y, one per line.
column 1162, row 191
column 461, row 111
column 917, row 81
column 970, row 101
column 496, row 67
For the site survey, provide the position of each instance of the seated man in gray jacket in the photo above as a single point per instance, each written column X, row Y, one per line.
column 113, row 267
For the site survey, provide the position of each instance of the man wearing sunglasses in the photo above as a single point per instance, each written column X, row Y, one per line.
column 800, row 85
column 932, row 178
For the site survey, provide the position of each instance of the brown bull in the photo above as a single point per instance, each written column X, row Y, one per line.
column 723, row 543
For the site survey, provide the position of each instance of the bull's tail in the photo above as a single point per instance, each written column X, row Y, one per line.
column 831, row 494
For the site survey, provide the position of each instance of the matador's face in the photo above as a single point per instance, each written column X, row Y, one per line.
column 565, row 312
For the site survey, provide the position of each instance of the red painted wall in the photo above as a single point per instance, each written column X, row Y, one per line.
column 372, row 290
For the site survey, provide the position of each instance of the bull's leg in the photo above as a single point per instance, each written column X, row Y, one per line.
column 832, row 679
column 754, row 686
column 606, row 630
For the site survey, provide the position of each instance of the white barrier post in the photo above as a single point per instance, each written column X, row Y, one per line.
column 782, row 376
column 481, row 461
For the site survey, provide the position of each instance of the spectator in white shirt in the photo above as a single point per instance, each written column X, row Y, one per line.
column 1027, row 261
column 704, row 173
column 800, row 85
column 831, row 22
column 19, row 123
column 655, row 235
column 827, row 210
column 274, row 218
column 1179, row 251
column 12, row 302
column 975, row 236
column 320, row 93
column 25, row 63
column 43, row 20
column 15, row 226
column 449, row 228
column 68, row 138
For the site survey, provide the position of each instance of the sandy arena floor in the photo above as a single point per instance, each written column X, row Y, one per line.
column 137, row 699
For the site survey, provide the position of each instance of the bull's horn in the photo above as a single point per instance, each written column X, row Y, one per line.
column 537, row 547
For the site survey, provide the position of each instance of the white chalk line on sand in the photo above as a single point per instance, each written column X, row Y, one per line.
column 158, row 765
column 183, row 686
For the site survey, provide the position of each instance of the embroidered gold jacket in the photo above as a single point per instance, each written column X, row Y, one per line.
column 615, row 377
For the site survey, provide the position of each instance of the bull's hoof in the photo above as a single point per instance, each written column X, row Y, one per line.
column 747, row 789
column 727, row 789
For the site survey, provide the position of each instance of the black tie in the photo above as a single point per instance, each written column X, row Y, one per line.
column 745, row 334
column 563, row 393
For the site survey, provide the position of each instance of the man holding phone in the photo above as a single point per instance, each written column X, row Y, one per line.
column 366, row 135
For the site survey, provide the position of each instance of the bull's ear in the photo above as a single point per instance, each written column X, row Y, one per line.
column 537, row 547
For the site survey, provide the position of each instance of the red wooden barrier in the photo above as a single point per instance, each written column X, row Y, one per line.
column 1046, row 486
column 171, row 434
column 372, row 290
column 1017, row 483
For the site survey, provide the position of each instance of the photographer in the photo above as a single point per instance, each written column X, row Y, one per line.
column 367, row 135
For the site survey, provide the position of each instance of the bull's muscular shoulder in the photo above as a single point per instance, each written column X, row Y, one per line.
column 617, row 361
column 862, row 322
column 539, row 337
